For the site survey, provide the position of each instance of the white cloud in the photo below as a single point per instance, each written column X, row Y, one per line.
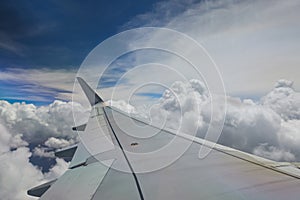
column 56, row 143
column 8, row 141
column 40, row 84
column 289, row 137
column 24, row 124
column 247, row 125
column 183, row 101
column 122, row 105
column 248, row 39
column 43, row 152
column 284, row 100
column 273, row 153
column 284, row 83
column 17, row 173
column 57, row 170
column 37, row 124
column 262, row 128
column 5, row 138
column 17, row 141
column 268, row 128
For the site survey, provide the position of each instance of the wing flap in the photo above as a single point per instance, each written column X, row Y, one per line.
column 38, row 191
column 79, row 128
column 79, row 183
column 66, row 152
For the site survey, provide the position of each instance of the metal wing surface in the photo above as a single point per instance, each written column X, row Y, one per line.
column 113, row 162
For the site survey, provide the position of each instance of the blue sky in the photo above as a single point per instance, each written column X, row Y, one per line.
column 58, row 34
column 55, row 35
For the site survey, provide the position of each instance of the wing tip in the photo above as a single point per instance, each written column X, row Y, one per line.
column 92, row 96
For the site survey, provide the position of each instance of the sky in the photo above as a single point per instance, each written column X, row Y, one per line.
column 254, row 44
column 248, row 48
column 59, row 34
column 54, row 37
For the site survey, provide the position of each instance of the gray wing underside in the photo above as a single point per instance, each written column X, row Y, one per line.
column 224, row 174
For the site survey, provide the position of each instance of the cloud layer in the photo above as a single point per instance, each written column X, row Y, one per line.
column 37, row 124
column 269, row 127
column 244, row 38
column 28, row 131
column 36, row 85
column 17, row 173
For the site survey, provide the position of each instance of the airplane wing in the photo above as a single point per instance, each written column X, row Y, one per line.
column 113, row 163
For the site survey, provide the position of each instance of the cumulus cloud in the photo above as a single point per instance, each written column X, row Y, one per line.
column 8, row 141
column 248, row 124
column 43, row 152
column 5, row 138
column 269, row 127
column 122, row 105
column 264, row 150
column 47, row 128
column 283, row 100
column 57, row 170
column 17, row 174
column 289, row 136
column 284, row 83
column 56, row 143
column 17, row 141
column 181, row 105
column 37, row 124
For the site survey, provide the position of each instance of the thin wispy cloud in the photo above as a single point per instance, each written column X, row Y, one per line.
column 244, row 38
column 39, row 85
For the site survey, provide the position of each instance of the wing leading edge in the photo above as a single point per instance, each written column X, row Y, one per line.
column 224, row 174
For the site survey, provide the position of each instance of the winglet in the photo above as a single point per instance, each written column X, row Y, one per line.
column 92, row 96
